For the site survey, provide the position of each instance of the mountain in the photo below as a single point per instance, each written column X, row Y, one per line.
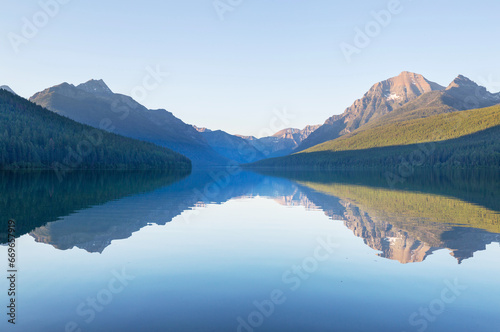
column 461, row 138
column 96, row 87
column 461, row 94
column 248, row 149
column 200, row 129
column 465, row 94
column 34, row 137
column 230, row 146
column 382, row 98
column 407, row 125
column 7, row 88
column 435, row 116
column 94, row 104
column 296, row 134
column 282, row 143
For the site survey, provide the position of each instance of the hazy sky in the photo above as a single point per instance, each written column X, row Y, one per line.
column 264, row 56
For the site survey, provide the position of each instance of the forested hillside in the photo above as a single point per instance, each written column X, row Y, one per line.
column 33, row 137
column 436, row 128
column 462, row 139
column 91, row 102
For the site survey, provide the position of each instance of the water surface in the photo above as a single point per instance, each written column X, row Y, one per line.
column 241, row 251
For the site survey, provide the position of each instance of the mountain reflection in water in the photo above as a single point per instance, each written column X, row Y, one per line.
column 408, row 223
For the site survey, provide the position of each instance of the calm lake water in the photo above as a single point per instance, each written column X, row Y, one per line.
column 241, row 251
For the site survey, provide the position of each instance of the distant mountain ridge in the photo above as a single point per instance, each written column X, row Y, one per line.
column 247, row 149
column 94, row 104
column 281, row 143
column 231, row 146
column 404, row 97
column 95, row 86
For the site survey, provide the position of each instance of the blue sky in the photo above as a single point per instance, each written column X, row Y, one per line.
column 265, row 56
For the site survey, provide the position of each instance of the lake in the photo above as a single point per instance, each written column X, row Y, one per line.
column 234, row 250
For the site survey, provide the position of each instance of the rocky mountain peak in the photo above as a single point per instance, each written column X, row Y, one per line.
column 407, row 84
column 286, row 132
column 309, row 129
column 382, row 98
column 202, row 129
column 95, row 86
column 467, row 94
column 462, row 82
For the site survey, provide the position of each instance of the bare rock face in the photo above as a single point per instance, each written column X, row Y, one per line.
column 385, row 96
column 308, row 130
column 296, row 134
column 95, row 86
column 202, row 129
